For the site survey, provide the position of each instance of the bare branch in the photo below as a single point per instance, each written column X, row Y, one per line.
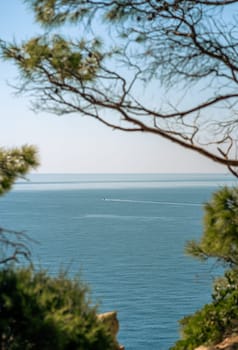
column 14, row 246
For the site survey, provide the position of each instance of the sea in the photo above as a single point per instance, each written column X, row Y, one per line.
column 125, row 235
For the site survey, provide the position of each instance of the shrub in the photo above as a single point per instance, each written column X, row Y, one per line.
column 42, row 312
column 219, row 241
column 211, row 324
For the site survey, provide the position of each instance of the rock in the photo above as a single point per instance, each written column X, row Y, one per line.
column 111, row 321
column 229, row 343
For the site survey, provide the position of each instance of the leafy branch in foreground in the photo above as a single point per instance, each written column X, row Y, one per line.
column 14, row 163
column 220, row 235
column 167, row 68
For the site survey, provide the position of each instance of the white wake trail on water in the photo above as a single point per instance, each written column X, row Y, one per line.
column 151, row 202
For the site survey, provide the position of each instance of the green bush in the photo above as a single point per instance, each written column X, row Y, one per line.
column 48, row 313
column 208, row 325
column 219, row 241
column 211, row 324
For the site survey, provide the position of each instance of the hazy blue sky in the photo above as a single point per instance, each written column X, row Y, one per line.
column 76, row 144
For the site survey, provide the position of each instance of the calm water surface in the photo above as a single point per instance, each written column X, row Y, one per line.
column 126, row 234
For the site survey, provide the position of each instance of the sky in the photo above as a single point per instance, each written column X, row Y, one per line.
column 73, row 144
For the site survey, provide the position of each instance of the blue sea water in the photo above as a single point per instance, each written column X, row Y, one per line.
column 126, row 234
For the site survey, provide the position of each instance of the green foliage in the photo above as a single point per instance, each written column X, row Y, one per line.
column 218, row 319
column 225, row 285
column 43, row 312
column 56, row 57
column 214, row 321
column 49, row 12
column 200, row 328
column 15, row 163
column 220, row 235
